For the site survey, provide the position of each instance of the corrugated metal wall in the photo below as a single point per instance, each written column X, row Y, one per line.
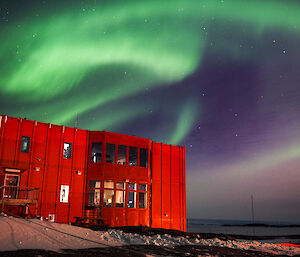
column 168, row 187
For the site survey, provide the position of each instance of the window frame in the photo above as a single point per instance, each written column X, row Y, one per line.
column 101, row 152
column 70, row 151
column 25, row 139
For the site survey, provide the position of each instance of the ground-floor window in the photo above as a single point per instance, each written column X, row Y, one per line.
column 117, row 194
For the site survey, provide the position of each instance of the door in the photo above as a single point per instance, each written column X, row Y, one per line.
column 11, row 182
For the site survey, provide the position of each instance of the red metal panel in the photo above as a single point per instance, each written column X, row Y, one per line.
column 78, row 175
column 22, row 160
column 51, row 171
column 10, row 133
column 166, row 208
column 64, row 175
column 175, row 187
column 156, row 209
column 184, row 190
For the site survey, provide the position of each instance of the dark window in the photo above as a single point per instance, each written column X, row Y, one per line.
column 96, row 152
column 110, row 153
column 142, row 200
column 144, row 158
column 122, row 154
column 25, row 141
column 133, row 156
column 142, row 187
column 67, row 150
column 131, row 186
column 131, row 203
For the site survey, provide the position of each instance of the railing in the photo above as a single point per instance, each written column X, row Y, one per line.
column 18, row 195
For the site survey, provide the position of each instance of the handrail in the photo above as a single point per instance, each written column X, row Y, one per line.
column 29, row 188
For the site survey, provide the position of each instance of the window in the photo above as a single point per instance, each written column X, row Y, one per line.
column 108, row 194
column 94, row 193
column 144, row 158
column 110, row 153
column 67, row 150
column 142, row 187
column 133, row 156
column 131, row 200
column 25, row 144
column 131, row 186
column 120, row 194
column 142, row 200
column 108, row 198
column 120, row 185
column 122, row 154
column 109, row 184
column 96, row 152
column 95, row 183
column 142, row 196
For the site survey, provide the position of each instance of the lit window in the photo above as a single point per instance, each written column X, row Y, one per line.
column 120, row 198
column 67, row 150
column 108, row 198
column 133, row 156
column 142, row 200
column 25, row 144
column 120, row 185
column 122, row 154
column 131, row 203
column 109, row 184
column 144, row 158
column 110, row 153
column 96, row 153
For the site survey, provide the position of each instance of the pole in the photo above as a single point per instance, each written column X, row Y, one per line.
column 252, row 209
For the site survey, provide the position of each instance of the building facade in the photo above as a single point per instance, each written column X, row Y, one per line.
column 127, row 180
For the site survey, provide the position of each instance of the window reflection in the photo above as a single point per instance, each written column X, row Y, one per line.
column 131, row 203
column 144, row 158
column 96, row 152
column 67, row 150
column 110, row 153
column 25, row 144
column 122, row 154
column 142, row 200
column 133, row 156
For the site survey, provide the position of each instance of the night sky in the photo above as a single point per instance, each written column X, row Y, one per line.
column 220, row 77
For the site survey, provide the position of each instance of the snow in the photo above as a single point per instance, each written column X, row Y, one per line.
column 18, row 234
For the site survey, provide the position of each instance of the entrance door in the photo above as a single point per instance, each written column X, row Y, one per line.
column 12, row 182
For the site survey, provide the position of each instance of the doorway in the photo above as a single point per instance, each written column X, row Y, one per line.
column 11, row 183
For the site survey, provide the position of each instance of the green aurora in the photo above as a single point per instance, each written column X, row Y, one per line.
column 71, row 62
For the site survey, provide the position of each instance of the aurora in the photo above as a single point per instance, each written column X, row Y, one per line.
column 220, row 77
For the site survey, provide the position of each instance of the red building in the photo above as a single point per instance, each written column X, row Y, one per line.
column 127, row 180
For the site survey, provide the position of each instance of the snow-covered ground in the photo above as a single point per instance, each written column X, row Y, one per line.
column 18, row 234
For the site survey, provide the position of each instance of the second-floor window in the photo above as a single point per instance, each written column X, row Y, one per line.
column 122, row 154
column 144, row 157
column 110, row 153
column 133, row 156
column 96, row 153
column 67, row 150
column 25, row 141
